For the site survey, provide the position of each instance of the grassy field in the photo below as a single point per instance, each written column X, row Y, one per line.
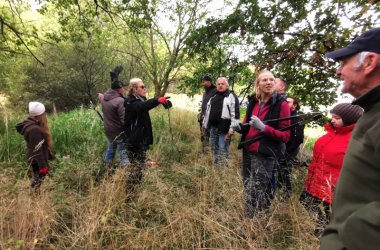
column 183, row 203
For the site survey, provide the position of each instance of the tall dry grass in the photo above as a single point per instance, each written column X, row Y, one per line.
column 184, row 203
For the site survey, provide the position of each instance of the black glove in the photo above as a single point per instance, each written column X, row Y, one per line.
column 168, row 104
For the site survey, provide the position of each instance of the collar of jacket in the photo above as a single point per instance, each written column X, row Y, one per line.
column 139, row 97
column 21, row 127
column 367, row 100
column 339, row 130
column 272, row 99
column 225, row 93
column 211, row 87
column 111, row 94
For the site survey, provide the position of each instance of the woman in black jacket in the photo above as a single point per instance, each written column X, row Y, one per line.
column 138, row 128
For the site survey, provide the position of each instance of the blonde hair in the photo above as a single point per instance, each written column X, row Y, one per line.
column 43, row 121
column 257, row 90
column 133, row 84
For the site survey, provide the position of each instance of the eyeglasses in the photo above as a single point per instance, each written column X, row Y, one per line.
column 142, row 87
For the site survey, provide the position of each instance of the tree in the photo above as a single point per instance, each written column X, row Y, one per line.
column 159, row 51
column 77, row 60
column 76, row 67
column 215, row 62
column 17, row 37
column 291, row 37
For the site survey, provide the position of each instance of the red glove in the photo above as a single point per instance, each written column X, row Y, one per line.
column 44, row 170
column 163, row 100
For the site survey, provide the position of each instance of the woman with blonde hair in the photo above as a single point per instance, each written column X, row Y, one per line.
column 138, row 129
column 38, row 140
column 260, row 156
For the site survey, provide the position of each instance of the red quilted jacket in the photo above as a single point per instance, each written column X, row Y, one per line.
column 328, row 154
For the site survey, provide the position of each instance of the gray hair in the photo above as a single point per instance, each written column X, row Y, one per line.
column 132, row 84
column 360, row 57
column 224, row 79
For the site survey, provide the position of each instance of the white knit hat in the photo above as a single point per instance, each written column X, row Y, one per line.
column 36, row 108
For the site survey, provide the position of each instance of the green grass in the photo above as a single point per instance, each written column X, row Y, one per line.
column 184, row 203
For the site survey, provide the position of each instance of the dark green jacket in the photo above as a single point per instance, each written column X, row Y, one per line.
column 355, row 221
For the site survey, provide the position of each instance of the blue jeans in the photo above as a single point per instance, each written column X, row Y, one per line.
column 120, row 144
column 220, row 147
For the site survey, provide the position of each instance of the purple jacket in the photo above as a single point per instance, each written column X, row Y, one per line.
column 113, row 113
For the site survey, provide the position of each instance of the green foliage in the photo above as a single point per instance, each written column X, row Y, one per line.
column 153, row 48
column 290, row 37
column 16, row 36
column 83, row 138
column 215, row 63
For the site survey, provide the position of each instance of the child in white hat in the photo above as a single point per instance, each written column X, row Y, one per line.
column 38, row 140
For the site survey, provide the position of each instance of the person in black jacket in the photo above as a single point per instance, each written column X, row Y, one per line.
column 292, row 148
column 138, row 128
column 221, row 119
column 259, row 157
column 210, row 91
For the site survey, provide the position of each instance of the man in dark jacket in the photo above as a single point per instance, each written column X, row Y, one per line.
column 221, row 118
column 355, row 222
column 112, row 102
column 138, row 128
column 210, row 91
column 292, row 148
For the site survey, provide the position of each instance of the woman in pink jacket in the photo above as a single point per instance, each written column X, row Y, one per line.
column 324, row 169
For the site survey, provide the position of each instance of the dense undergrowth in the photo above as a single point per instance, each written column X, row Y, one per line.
column 184, row 203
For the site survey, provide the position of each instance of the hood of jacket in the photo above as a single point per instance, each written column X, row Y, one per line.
column 22, row 126
column 111, row 94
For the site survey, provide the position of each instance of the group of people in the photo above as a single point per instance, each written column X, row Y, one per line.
column 266, row 107
column 344, row 148
column 344, row 170
column 127, row 126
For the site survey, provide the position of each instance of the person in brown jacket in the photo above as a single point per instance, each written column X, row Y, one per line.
column 38, row 140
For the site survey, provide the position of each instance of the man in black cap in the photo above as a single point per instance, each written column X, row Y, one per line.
column 355, row 220
column 112, row 102
column 210, row 91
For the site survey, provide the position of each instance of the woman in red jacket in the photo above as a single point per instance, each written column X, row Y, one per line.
column 324, row 169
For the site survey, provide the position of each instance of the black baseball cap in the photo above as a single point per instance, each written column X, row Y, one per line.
column 368, row 41
column 117, row 84
column 207, row 78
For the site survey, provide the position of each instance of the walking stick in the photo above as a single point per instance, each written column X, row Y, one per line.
column 307, row 118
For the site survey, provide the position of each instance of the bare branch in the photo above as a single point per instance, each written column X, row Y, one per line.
column 19, row 36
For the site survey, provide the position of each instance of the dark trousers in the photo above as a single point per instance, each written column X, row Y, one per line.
column 37, row 177
column 284, row 177
column 137, row 157
column 272, row 185
column 257, row 175
column 205, row 139
column 312, row 205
